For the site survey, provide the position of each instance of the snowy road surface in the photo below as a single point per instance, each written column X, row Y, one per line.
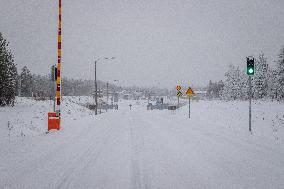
column 141, row 149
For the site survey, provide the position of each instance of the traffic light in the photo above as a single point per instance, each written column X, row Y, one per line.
column 53, row 73
column 250, row 66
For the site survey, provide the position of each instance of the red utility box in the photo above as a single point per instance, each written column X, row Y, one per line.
column 53, row 121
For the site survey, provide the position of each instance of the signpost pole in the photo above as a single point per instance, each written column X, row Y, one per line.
column 189, row 93
column 188, row 107
column 178, row 93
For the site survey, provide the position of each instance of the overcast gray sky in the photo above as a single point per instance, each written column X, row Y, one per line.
column 155, row 42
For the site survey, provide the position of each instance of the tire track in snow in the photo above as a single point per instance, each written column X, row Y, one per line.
column 138, row 177
column 90, row 155
column 82, row 162
column 53, row 153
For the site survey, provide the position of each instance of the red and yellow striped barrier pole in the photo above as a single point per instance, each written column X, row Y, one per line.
column 54, row 117
column 58, row 81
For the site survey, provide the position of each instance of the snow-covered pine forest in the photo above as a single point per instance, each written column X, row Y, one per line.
column 267, row 83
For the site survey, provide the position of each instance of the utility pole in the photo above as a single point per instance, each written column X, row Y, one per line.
column 96, row 85
column 96, row 89
column 115, row 96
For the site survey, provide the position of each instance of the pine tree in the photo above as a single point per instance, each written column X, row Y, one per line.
column 235, row 84
column 280, row 75
column 228, row 84
column 26, row 82
column 241, row 83
column 8, row 74
column 272, row 86
column 260, row 79
column 214, row 89
column 42, row 87
column 209, row 90
column 219, row 86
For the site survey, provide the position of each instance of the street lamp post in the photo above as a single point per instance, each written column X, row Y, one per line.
column 114, row 92
column 96, row 89
column 96, row 85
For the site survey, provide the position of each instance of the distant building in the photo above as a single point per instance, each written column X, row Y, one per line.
column 200, row 95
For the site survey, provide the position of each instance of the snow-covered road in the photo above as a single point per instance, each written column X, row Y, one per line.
column 141, row 149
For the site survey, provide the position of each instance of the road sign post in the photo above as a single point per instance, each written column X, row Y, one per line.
column 178, row 95
column 189, row 93
column 188, row 107
column 178, row 87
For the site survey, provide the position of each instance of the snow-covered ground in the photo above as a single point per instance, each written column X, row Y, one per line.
column 143, row 149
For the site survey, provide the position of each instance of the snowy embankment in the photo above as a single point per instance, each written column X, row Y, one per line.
column 29, row 117
column 232, row 117
column 143, row 149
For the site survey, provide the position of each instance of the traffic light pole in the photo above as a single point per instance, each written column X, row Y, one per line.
column 250, row 96
column 53, row 95
column 250, row 73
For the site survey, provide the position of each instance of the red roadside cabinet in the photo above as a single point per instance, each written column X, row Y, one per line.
column 53, row 121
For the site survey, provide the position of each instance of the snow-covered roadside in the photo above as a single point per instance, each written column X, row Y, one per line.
column 232, row 117
column 152, row 149
column 29, row 118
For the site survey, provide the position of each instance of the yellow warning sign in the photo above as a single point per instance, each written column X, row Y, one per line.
column 178, row 87
column 189, row 92
column 179, row 93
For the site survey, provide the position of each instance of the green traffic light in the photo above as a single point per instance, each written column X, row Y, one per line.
column 250, row 66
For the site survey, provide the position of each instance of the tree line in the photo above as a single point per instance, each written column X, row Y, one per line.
column 27, row 84
column 268, row 81
column 42, row 87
